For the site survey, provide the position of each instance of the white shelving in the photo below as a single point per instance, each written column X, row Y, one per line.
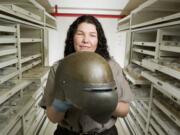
column 6, row 50
column 50, row 21
column 124, row 24
column 166, row 84
column 22, row 75
column 168, row 111
column 154, row 54
column 144, row 51
column 6, row 74
column 25, row 9
column 29, row 58
column 8, row 91
column 166, row 66
column 12, row 114
column 135, row 79
column 30, row 40
column 170, row 48
column 167, row 125
column 155, row 11
column 141, row 93
column 150, row 44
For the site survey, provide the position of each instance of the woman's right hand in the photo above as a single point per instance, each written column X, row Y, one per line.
column 57, row 110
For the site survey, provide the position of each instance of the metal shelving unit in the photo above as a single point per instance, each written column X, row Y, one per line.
column 22, row 75
column 154, row 56
column 31, row 39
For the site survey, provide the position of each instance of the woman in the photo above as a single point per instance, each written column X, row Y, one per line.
column 86, row 34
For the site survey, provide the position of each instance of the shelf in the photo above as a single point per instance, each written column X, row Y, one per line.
column 37, row 73
column 32, row 116
column 10, row 20
column 167, row 32
column 22, row 106
column 152, row 131
column 144, row 104
column 135, row 80
column 7, row 39
column 143, row 51
column 22, row 24
column 139, row 120
column 136, row 62
column 7, row 61
column 47, row 125
column 157, row 21
column 8, row 91
column 153, row 123
column 175, row 49
column 167, row 109
column 11, row 29
column 147, row 63
column 140, row 110
column 167, row 125
column 141, row 93
column 16, row 129
column 38, row 95
column 157, row 127
column 161, row 122
column 170, row 67
column 50, row 26
column 139, row 63
column 7, row 73
column 29, row 118
column 30, row 65
column 164, row 85
column 6, row 50
column 124, row 23
column 170, row 70
column 50, row 21
column 37, row 122
column 146, row 44
column 155, row 46
column 16, row 14
column 133, row 125
column 155, row 11
column 22, row 11
column 29, row 58
column 30, row 40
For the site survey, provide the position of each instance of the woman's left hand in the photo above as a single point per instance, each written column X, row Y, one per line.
column 121, row 110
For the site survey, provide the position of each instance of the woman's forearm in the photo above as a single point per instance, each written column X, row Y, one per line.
column 121, row 110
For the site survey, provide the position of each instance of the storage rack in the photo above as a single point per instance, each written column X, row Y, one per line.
column 155, row 54
column 22, row 74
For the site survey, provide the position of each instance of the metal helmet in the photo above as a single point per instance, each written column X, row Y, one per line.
column 87, row 81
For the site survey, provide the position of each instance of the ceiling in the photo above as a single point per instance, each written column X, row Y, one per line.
column 105, row 7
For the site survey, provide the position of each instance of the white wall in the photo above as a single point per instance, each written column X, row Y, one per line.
column 116, row 48
column 51, row 46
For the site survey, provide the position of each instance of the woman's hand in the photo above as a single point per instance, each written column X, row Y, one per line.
column 121, row 110
column 54, row 116
column 57, row 110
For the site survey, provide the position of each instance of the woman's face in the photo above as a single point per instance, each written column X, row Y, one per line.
column 86, row 38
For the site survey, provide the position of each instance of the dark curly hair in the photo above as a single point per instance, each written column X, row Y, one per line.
column 102, row 47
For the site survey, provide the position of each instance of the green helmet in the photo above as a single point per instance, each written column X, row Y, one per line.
column 87, row 81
